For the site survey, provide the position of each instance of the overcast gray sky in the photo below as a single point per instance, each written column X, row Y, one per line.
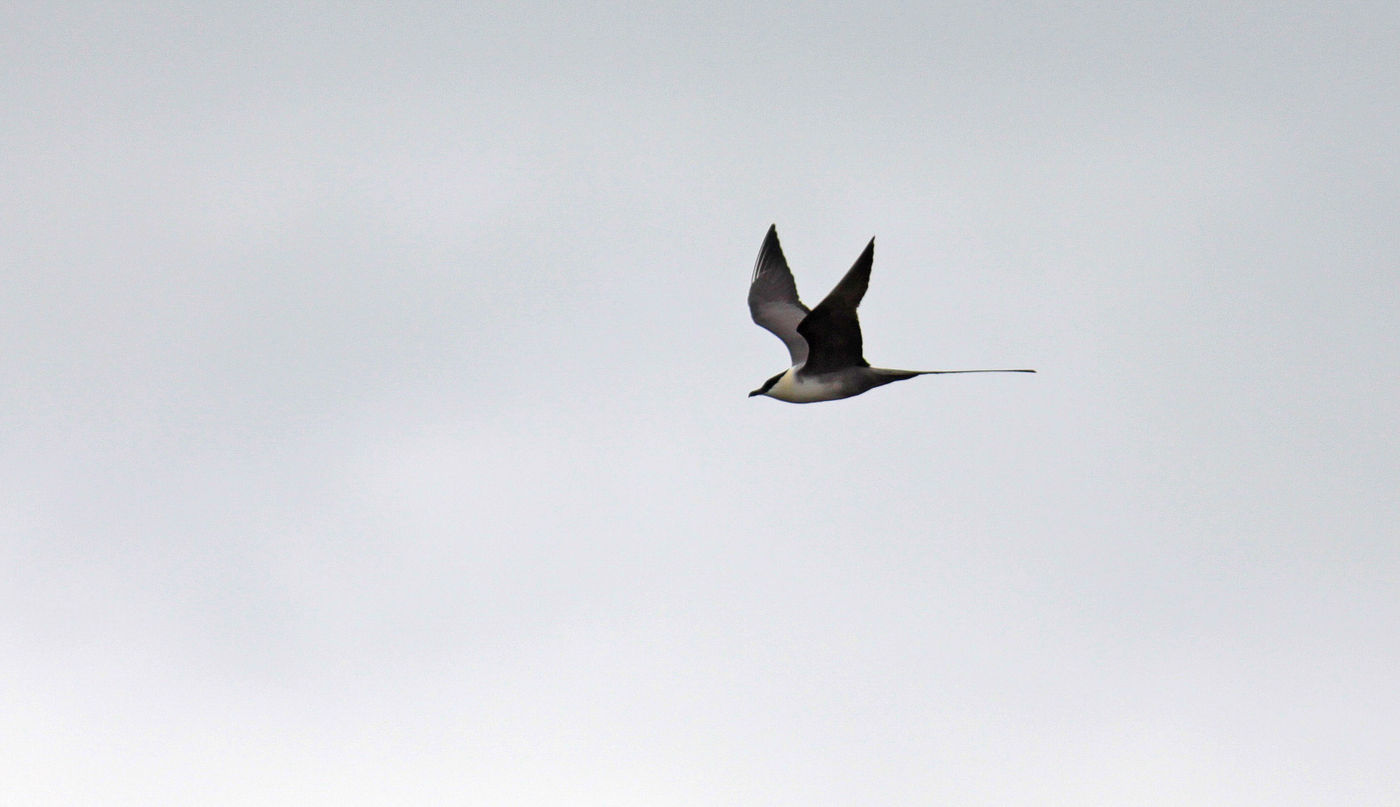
column 373, row 416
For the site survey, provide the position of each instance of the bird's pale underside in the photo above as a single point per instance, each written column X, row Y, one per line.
column 824, row 343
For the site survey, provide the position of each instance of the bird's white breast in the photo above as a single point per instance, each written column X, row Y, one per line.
column 794, row 388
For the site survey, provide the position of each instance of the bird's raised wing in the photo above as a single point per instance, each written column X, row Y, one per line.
column 832, row 330
column 773, row 297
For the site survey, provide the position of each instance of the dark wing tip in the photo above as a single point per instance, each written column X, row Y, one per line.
column 849, row 291
column 770, row 252
column 770, row 237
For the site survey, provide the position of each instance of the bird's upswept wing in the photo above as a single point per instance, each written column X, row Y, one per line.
column 832, row 330
column 773, row 297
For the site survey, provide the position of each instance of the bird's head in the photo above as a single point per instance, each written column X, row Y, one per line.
column 767, row 385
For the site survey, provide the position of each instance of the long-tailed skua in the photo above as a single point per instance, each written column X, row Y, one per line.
column 824, row 342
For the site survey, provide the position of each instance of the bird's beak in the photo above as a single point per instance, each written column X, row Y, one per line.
column 756, row 392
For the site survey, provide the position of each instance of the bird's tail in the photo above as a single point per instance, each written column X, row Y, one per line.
column 944, row 372
column 880, row 376
column 886, row 375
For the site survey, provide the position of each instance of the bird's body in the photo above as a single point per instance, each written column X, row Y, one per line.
column 824, row 342
column 795, row 386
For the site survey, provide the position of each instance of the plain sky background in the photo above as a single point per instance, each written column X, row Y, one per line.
column 373, row 416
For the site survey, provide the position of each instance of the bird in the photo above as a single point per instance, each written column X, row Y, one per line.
column 824, row 342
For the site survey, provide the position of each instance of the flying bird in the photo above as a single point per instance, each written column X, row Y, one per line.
column 824, row 342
